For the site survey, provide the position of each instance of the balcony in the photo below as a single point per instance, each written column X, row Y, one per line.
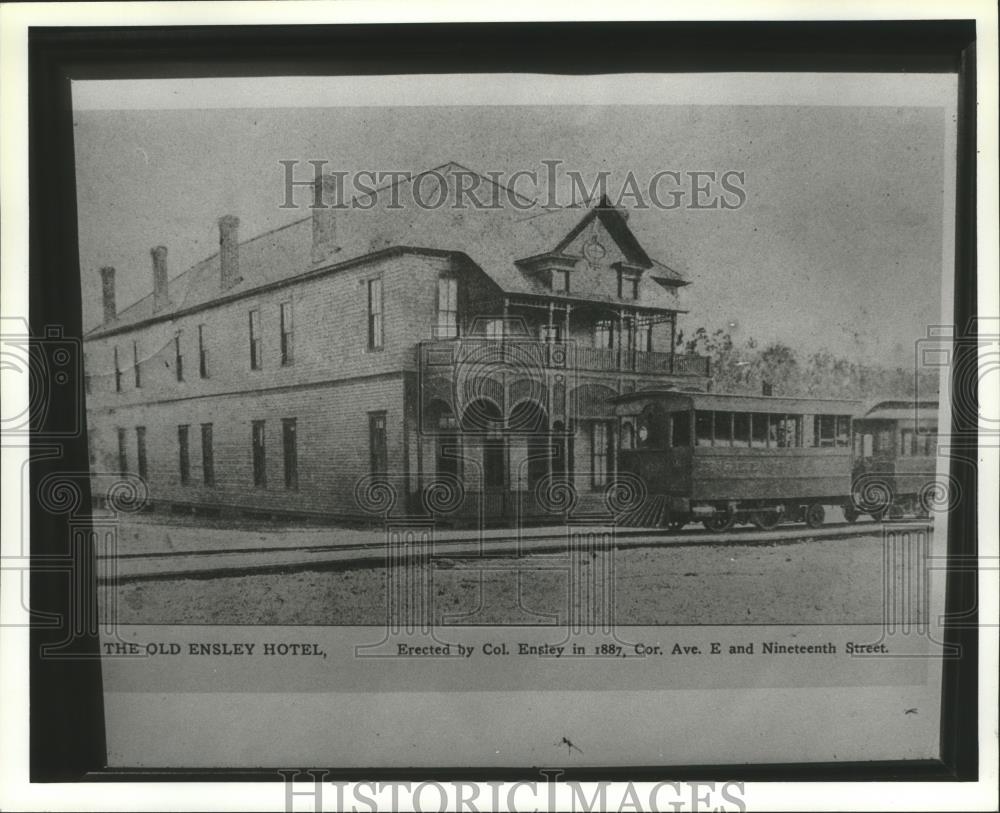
column 560, row 355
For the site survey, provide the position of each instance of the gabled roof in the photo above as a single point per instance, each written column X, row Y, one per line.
column 492, row 238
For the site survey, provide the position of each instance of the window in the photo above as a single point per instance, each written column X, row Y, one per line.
column 703, row 428
column 257, row 445
column 207, row 455
column 741, row 429
column 824, row 430
column 600, row 451
column 908, row 444
column 844, row 430
column 628, row 285
column 784, row 431
column 202, row 353
column 375, row 314
column 627, row 436
column 723, row 429
column 183, row 454
column 447, row 326
column 135, row 364
column 290, row 453
column 494, row 329
column 286, row 333
column 377, row 442
column 883, row 441
column 118, row 373
column 758, row 430
column 122, row 452
column 681, row 429
column 560, row 281
column 255, row 345
column 178, row 358
column 140, row 451
column 604, row 334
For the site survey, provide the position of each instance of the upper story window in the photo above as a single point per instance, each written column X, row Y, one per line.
column 447, row 324
column 287, row 333
column 375, row 330
column 202, row 353
column 118, row 373
column 255, row 343
column 135, row 364
column 178, row 358
column 628, row 285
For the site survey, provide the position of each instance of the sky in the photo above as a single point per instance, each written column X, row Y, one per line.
column 839, row 244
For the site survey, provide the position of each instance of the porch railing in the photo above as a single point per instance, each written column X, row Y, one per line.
column 559, row 355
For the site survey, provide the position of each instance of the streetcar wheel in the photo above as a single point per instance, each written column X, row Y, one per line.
column 765, row 520
column 851, row 513
column 719, row 522
column 815, row 514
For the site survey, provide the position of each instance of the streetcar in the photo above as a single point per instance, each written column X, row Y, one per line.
column 724, row 459
column 895, row 460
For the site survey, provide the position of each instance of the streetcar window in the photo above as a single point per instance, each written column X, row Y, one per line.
column 824, row 430
column 628, row 436
column 907, row 443
column 741, row 429
column 681, row 428
column 785, row 430
column 883, row 441
column 793, row 430
column 758, row 430
column 703, row 428
column 723, row 429
column 844, row 430
column 868, row 444
column 930, row 445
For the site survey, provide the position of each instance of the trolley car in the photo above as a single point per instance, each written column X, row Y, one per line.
column 726, row 459
column 895, row 460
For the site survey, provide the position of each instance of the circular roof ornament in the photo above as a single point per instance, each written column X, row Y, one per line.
column 593, row 251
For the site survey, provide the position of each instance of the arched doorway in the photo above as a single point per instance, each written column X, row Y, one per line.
column 531, row 443
column 483, row 425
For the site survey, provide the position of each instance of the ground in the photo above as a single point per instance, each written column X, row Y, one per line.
column 801, row 580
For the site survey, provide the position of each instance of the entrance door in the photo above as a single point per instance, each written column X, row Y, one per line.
column 494, row 478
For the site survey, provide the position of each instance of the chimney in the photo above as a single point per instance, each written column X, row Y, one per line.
column 161, row 296
column 108, row 293
column 229, row 250
column 324, row 217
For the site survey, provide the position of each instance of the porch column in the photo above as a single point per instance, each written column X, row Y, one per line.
column 621, row 330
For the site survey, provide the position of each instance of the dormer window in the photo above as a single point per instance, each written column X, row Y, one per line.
column 560, row 281
column 628, row 285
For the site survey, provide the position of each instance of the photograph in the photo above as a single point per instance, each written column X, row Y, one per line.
column 675, row 344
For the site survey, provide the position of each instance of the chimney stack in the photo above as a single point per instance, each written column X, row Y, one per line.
column 161, row 296
column 229, row 250
column 108, row 293
column 324, row 217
